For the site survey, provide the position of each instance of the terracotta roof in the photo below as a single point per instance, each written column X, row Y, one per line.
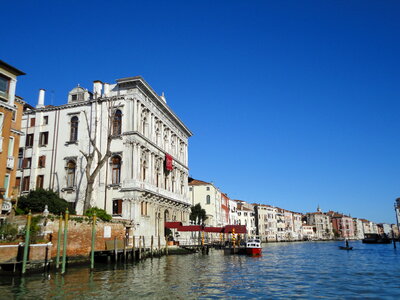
column 197, row 182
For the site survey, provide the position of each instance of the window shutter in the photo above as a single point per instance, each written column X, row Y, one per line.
column 43, row 161
column 119, row 206
column 24, row 163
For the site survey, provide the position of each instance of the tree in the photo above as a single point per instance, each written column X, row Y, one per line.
column 95, row 159
column 38, row 199
column 198, row 214
column 100, row 213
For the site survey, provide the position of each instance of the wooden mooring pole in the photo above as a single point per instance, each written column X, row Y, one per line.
column 133, row 249
column 26, row 245
column 115, row 249
column 151, row 246
column 140, row 247
column 159, row 245
column 64, row 258
column 93, row 241
column 59, row 241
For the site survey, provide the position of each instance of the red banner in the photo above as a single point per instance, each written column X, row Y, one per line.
column 168, row 162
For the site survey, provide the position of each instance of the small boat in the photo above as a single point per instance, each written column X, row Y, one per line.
column 374, row 238
column 253, row 247
column 345, row 248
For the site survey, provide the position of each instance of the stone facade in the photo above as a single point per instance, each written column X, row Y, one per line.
column 143, row 134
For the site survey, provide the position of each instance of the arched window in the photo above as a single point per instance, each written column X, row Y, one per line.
column 74, row 129
column 71, row 168
column 208, row 199
column 117, row 122
column 116, row 169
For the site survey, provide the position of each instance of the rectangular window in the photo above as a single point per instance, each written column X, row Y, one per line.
column 117, row 207
column 143, row 208
column 39, row 181
column 6, row 184
column 4, row 83
column 18, row 184
column 25, row 184
column 42, row 161
column 29, row 140
column 27, row 163
column 45, row 120
column 14, row 115
column 208, row 188
column 33, row 120
column 20, row 157
column 44, row 138
column 11, row 146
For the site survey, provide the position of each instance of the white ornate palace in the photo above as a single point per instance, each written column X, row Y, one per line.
column 145, row 180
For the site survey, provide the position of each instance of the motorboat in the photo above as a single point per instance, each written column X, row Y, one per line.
column 253, row 247
column 374, row 238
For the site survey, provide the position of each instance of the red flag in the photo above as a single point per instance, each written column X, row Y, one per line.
column 168, row 162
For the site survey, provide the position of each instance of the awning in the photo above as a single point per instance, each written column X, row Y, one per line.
column 191, row 228
column 214, row 229
column 173, row 225
column 238, row 229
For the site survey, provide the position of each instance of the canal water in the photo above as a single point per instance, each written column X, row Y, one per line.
column 286, row 270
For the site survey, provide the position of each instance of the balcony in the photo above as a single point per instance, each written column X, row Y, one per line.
column 10, row 162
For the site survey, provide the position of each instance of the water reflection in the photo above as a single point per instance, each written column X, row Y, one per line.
column 302, row 270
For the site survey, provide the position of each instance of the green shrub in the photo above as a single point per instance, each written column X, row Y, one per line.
column 36, row 201
column 8, row 232
column 100, row 213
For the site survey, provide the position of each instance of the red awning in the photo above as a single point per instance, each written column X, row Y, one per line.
column 168, row 162
column 191, row 228
column 238, row 229
column 172, row 225
column 214, row 229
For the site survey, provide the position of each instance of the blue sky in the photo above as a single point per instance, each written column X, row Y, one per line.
column 292, row 103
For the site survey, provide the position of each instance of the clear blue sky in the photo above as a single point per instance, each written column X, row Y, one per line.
column 292, row 103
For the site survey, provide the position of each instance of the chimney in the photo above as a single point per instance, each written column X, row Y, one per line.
column 106, row 89
column 163, row 97
column 40, row 103
column 97, row 87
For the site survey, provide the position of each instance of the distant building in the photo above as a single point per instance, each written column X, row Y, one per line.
column 322, row 223
column 342, row 224
column 358, row 229
column 246, row 216
column 210, row 198
column 308, row 231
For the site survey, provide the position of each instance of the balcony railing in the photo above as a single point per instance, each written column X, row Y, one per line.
column 10, row 162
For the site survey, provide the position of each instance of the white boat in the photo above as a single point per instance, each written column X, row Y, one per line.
column 253, row 246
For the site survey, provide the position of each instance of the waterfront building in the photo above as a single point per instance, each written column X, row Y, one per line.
column 129, row 128
column 322, row 223
column 246, row 216
column 308, row 232
column 342, row 224
column 395, row 230
column 280, row 225
column 297, row 226
column 233, row 216
column 263, row 221
column 384, row 228
column 358, row 229
column 224, row 209
column 11, row 108
column 289, row 232
column 210, row 199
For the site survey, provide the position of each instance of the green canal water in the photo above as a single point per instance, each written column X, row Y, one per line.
column 305, row 270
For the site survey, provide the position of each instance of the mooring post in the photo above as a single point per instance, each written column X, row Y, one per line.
column 124, row 249
column 115, row 249
column 64, row 259
column 166, row 245
column 26, row 246
column 151, row 246
column 93, row 241
column 144, row 248
column 394, row 240
column 140, row 247
column 159, row 244
column 133, row 249
column 59, row 241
